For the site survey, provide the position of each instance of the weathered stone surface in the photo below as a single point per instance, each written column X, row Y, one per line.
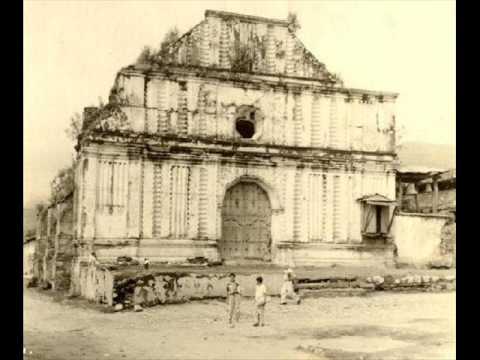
column 157, row 164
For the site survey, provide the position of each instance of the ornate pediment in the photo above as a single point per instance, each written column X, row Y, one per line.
column 247, row 44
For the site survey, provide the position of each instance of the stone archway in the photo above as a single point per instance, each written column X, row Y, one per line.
column 246, row 223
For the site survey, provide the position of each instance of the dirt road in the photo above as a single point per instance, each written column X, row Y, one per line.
column 385, row 326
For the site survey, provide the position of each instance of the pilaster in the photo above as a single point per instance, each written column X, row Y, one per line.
column 205, row 44
column 329, row 220
column 134, row 198
column 148, row 198
column 224, row 52
column 270, row 50
column 316, row 125
column 163, row 101
column 90, row 200
column 165, row 203
column 307, row 104
column 289, row 60
column 194, row 193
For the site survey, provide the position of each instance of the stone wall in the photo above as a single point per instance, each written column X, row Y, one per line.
column 418, row 237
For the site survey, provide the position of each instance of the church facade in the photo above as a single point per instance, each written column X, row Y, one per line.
column 242, row 146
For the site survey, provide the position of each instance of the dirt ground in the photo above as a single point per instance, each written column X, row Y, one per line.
column 382, row 326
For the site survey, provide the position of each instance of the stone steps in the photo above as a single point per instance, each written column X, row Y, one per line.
column 308, row 293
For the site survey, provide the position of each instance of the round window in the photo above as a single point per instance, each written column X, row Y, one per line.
column 247, row 123
column 245, row 128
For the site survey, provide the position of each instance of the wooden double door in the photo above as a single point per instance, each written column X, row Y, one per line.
column 246, row 223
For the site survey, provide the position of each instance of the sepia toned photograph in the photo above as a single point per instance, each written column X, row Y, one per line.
column 239, row 180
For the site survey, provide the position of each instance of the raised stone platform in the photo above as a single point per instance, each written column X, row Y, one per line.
column 114, row 285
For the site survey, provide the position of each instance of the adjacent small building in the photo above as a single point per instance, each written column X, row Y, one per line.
column 425, row 226
column 428, row 191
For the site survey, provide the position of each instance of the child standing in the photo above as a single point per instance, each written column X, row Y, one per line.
column 260, row 302
column 233, row 300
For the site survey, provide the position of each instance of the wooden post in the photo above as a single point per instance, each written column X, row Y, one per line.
column 399, row 194
column 417, row 206
column 435, row 195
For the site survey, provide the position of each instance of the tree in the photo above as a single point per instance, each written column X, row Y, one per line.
column 76, row 122
column 39, row 208
column 75, row 127
column 172, row 35
column 62, row 185
column 150, row 55
column 147, row 56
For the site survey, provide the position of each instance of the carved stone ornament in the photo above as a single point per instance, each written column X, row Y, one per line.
column 116, row 120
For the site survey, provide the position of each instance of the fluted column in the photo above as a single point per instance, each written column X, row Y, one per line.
column 151, row 113
column 134, row 201
column 148, row 198
column 329, row 200
column 158, row 200
column 297, row 200
column 307, row 102
column 333, row 133
column 90, row 197
column 163, row 101
column 224, row 46
column 202, row 126
column 316, row 126
column 205, row 44
column 270, row 50
column 165, row 206
column 289, row 60
column 341, row 121
column 182, row 123
column 297, row 119
column 203, row 203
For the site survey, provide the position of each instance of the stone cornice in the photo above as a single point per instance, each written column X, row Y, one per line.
column 255, row 80
column 245, row 18
column 201, row 150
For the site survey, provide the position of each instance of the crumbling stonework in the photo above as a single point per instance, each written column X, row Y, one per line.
column 448, row 244
column 55, row 249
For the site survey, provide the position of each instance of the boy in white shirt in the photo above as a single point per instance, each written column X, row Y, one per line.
column 260, row 302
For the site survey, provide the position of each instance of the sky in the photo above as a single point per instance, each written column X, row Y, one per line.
column 73, row 50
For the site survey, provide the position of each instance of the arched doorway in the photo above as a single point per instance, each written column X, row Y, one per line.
column 246, row 223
